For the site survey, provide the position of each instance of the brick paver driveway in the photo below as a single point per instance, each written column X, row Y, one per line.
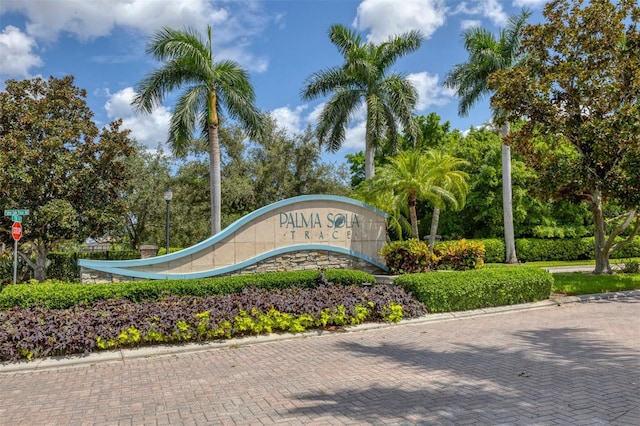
column 570, row 364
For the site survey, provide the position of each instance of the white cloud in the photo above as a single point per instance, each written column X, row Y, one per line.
column 150, row 129
column 383, row 18
column 233, row 23
column 429, row 91
column 491, row 9
column 465, row 24
column 354, row 138
column 529, row 3
column 293, row 120
column 315, row 113
column 89, row 19
column 290, row 119
column 17, row 53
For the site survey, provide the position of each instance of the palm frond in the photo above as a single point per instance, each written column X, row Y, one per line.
column 185, row 119
column 325, row 82
column 332, row 122
column 389, row 51
column 168, row 44
column 236, row 94
column 343, row 38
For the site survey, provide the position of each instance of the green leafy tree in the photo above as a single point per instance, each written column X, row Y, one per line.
column 446, row 174
column 56, row 163
column 409, row 176
column 144, row 207
column 579, row 91
column 284, row 166
column 190, row 206
column 364, row 78
column 211, row 87
column 470, row 79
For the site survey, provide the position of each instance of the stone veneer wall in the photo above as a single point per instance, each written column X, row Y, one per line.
column 298, row 261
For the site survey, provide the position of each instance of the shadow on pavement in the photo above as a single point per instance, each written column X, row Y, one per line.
column 550, row 374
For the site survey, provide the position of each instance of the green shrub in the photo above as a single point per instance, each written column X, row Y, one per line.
column 459, row 291
column 65, row 295
column 560, row 231
column 494, row 250
column 409, row 256
column 64, row 265
column 629, row 250
column 460, row 255
column 531, row 250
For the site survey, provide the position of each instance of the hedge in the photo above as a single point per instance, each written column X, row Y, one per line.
column 64, row 265
column 536, row 249
column 480, row 288
column 65, row 295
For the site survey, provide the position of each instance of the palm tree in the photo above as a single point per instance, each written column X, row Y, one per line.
column 364, row 78
column 209, row 87
column 388, row 201
column 486, row 56
column 412, row 176
column 447, row 175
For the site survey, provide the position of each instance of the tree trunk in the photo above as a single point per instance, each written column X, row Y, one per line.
column 412, row 200
column 434, row 228
column 507, row 201
column 601, row 250
column 214, row 179
column 369, row 157
column 214, row 164
column 40, row 266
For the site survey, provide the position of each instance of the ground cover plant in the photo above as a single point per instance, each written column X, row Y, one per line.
column 38, row 331
column 60, row 295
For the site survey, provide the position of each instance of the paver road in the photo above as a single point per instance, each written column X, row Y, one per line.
column 575, row 364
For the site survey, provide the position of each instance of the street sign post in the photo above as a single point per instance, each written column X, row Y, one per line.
column 16, row 232
column 17, row 212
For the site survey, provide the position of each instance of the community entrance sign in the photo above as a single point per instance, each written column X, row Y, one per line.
column 307, row 232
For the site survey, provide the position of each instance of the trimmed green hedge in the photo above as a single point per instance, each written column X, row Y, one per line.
column 480, row 288
column 64, row 265
column 535, row 249
column 65, row 295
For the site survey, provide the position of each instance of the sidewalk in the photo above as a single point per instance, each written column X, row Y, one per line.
column 572, row 361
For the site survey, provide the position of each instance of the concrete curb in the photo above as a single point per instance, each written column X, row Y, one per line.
column 124, row 355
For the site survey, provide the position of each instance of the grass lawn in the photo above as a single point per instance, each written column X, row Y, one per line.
column 552, row 263
column 576, row 283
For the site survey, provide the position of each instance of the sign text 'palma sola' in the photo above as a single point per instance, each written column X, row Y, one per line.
column 313, row 225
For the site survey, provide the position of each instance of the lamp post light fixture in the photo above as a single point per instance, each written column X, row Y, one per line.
column 168, row 195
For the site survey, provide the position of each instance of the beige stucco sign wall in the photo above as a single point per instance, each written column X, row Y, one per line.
column 325, row 226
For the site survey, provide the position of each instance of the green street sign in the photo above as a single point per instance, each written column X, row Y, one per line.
column 16, row 218
column 17, row 212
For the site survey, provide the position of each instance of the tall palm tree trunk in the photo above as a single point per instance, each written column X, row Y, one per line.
column 214, row 169
column 507, row 201
column 434, row 228
column 214, row 178
column 369, row 157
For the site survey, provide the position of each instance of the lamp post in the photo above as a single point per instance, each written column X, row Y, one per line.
column 168, row 195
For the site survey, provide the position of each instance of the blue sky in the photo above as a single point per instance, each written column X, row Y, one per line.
column 280, row 42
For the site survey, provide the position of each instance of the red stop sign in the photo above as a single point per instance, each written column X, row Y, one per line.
column 16, row 230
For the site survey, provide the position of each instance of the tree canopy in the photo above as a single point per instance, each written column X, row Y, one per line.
column 56, row 163
column 210, row 88
column 364, row 78
column 578, row 91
